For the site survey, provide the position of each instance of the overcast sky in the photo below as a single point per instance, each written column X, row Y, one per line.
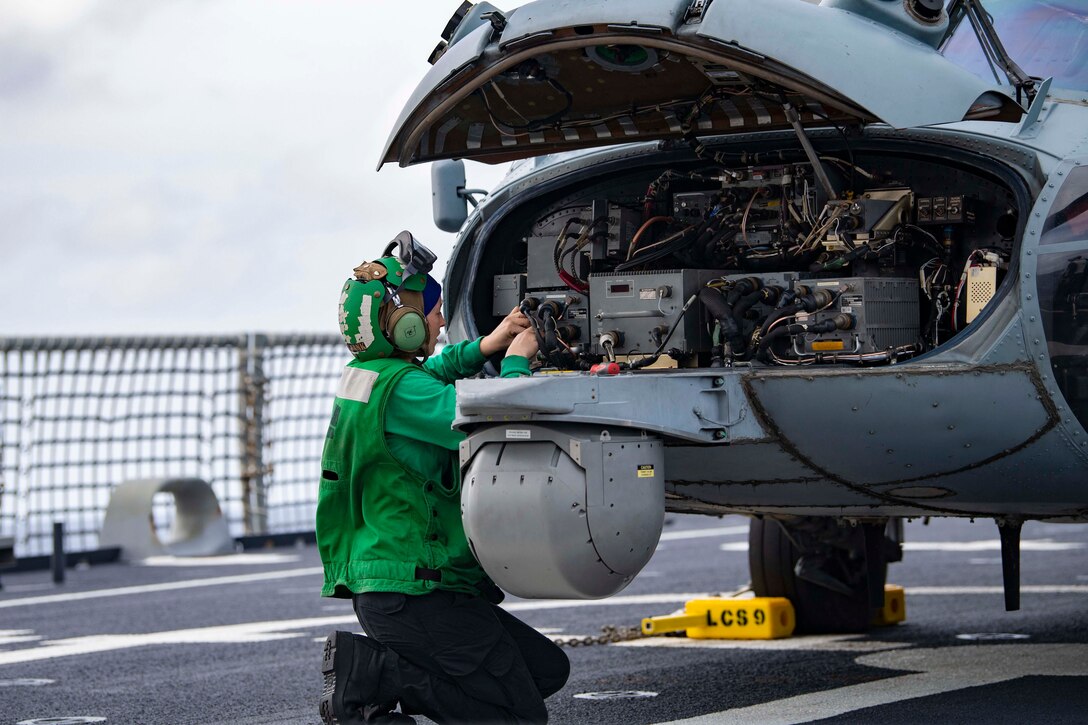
column 203, row 166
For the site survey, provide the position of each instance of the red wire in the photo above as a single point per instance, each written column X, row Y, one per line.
column 572, row 282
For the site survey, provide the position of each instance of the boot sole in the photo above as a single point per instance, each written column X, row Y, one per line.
column 326, row 708
column 331, row 707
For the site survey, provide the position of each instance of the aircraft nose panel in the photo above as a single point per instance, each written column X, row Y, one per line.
column 887, row 427
column 558, row 75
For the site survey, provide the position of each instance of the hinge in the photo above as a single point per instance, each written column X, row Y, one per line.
column 992, row 48
column 498, row 22
column 694, row 13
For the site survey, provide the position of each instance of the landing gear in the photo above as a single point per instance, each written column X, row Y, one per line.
column 833, row 574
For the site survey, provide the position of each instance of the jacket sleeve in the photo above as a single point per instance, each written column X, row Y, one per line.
column 421, row 407
column 422, row 404
column 515, row 366
column 457, row 361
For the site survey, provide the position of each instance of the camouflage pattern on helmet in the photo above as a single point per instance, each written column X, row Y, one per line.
column 361, row 302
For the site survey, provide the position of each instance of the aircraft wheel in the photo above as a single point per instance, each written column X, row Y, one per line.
column 833, row 589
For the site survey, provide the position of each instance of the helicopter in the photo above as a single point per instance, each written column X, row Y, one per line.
column 824, row 265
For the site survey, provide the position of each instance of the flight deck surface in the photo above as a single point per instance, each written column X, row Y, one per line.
column 238, row 640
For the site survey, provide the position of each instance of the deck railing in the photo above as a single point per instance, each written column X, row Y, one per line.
column 247, row 413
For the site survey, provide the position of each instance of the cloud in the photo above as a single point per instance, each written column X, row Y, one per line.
column 202, row 166
column 29, row 16
column 23, row 70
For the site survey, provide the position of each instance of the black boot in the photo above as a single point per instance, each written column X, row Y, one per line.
column 352, row 666
column 384, row 715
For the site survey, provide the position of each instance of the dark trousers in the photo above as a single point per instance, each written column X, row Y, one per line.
column 456, row 658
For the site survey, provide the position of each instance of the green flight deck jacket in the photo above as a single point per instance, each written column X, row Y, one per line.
column 389, row 501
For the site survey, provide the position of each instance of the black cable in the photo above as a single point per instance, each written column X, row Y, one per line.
column 637, row 364
column 574, row 249
column 561, row 242
column 533, row 322
column 513, row 129
column 667, row 248
column 721, row 310
column 938, row 248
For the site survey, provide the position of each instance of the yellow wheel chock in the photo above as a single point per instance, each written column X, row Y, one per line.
column 894, row 610
column 754, row 618
column 720, row 618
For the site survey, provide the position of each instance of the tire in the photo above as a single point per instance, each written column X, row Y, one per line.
column 773, row 555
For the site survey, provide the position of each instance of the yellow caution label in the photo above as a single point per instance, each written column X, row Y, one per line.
column 894, row 610
column 646, row 471
column 718, row 618
column 822, row 345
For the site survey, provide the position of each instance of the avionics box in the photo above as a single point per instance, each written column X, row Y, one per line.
column 885, row 310
column 642, row 307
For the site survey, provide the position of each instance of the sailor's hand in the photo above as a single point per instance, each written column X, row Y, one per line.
column 500, row 338
column 524, row 344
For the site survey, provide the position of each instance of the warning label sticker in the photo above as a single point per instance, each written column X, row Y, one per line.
column 518, row 434
column 646, row 471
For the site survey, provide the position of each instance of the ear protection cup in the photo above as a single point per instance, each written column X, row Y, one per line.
column 405, row 325
column 407, row 329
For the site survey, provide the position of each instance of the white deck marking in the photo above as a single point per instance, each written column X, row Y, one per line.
column 610, row 602
column 983, row 545
column 1027, row 589
column 232, row 633
column 284, row 629
column 669, row 597
column 287, row 573
column 809, row 643
column 162, row 587
column 265, row 631
column 16, row 636
column 19, row 640
column 226, row 560
column 251, row 632
column 940, row 670
column 702, row 533
column 992, row 545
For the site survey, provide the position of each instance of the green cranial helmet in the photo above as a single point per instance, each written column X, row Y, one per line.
column 381, row 307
